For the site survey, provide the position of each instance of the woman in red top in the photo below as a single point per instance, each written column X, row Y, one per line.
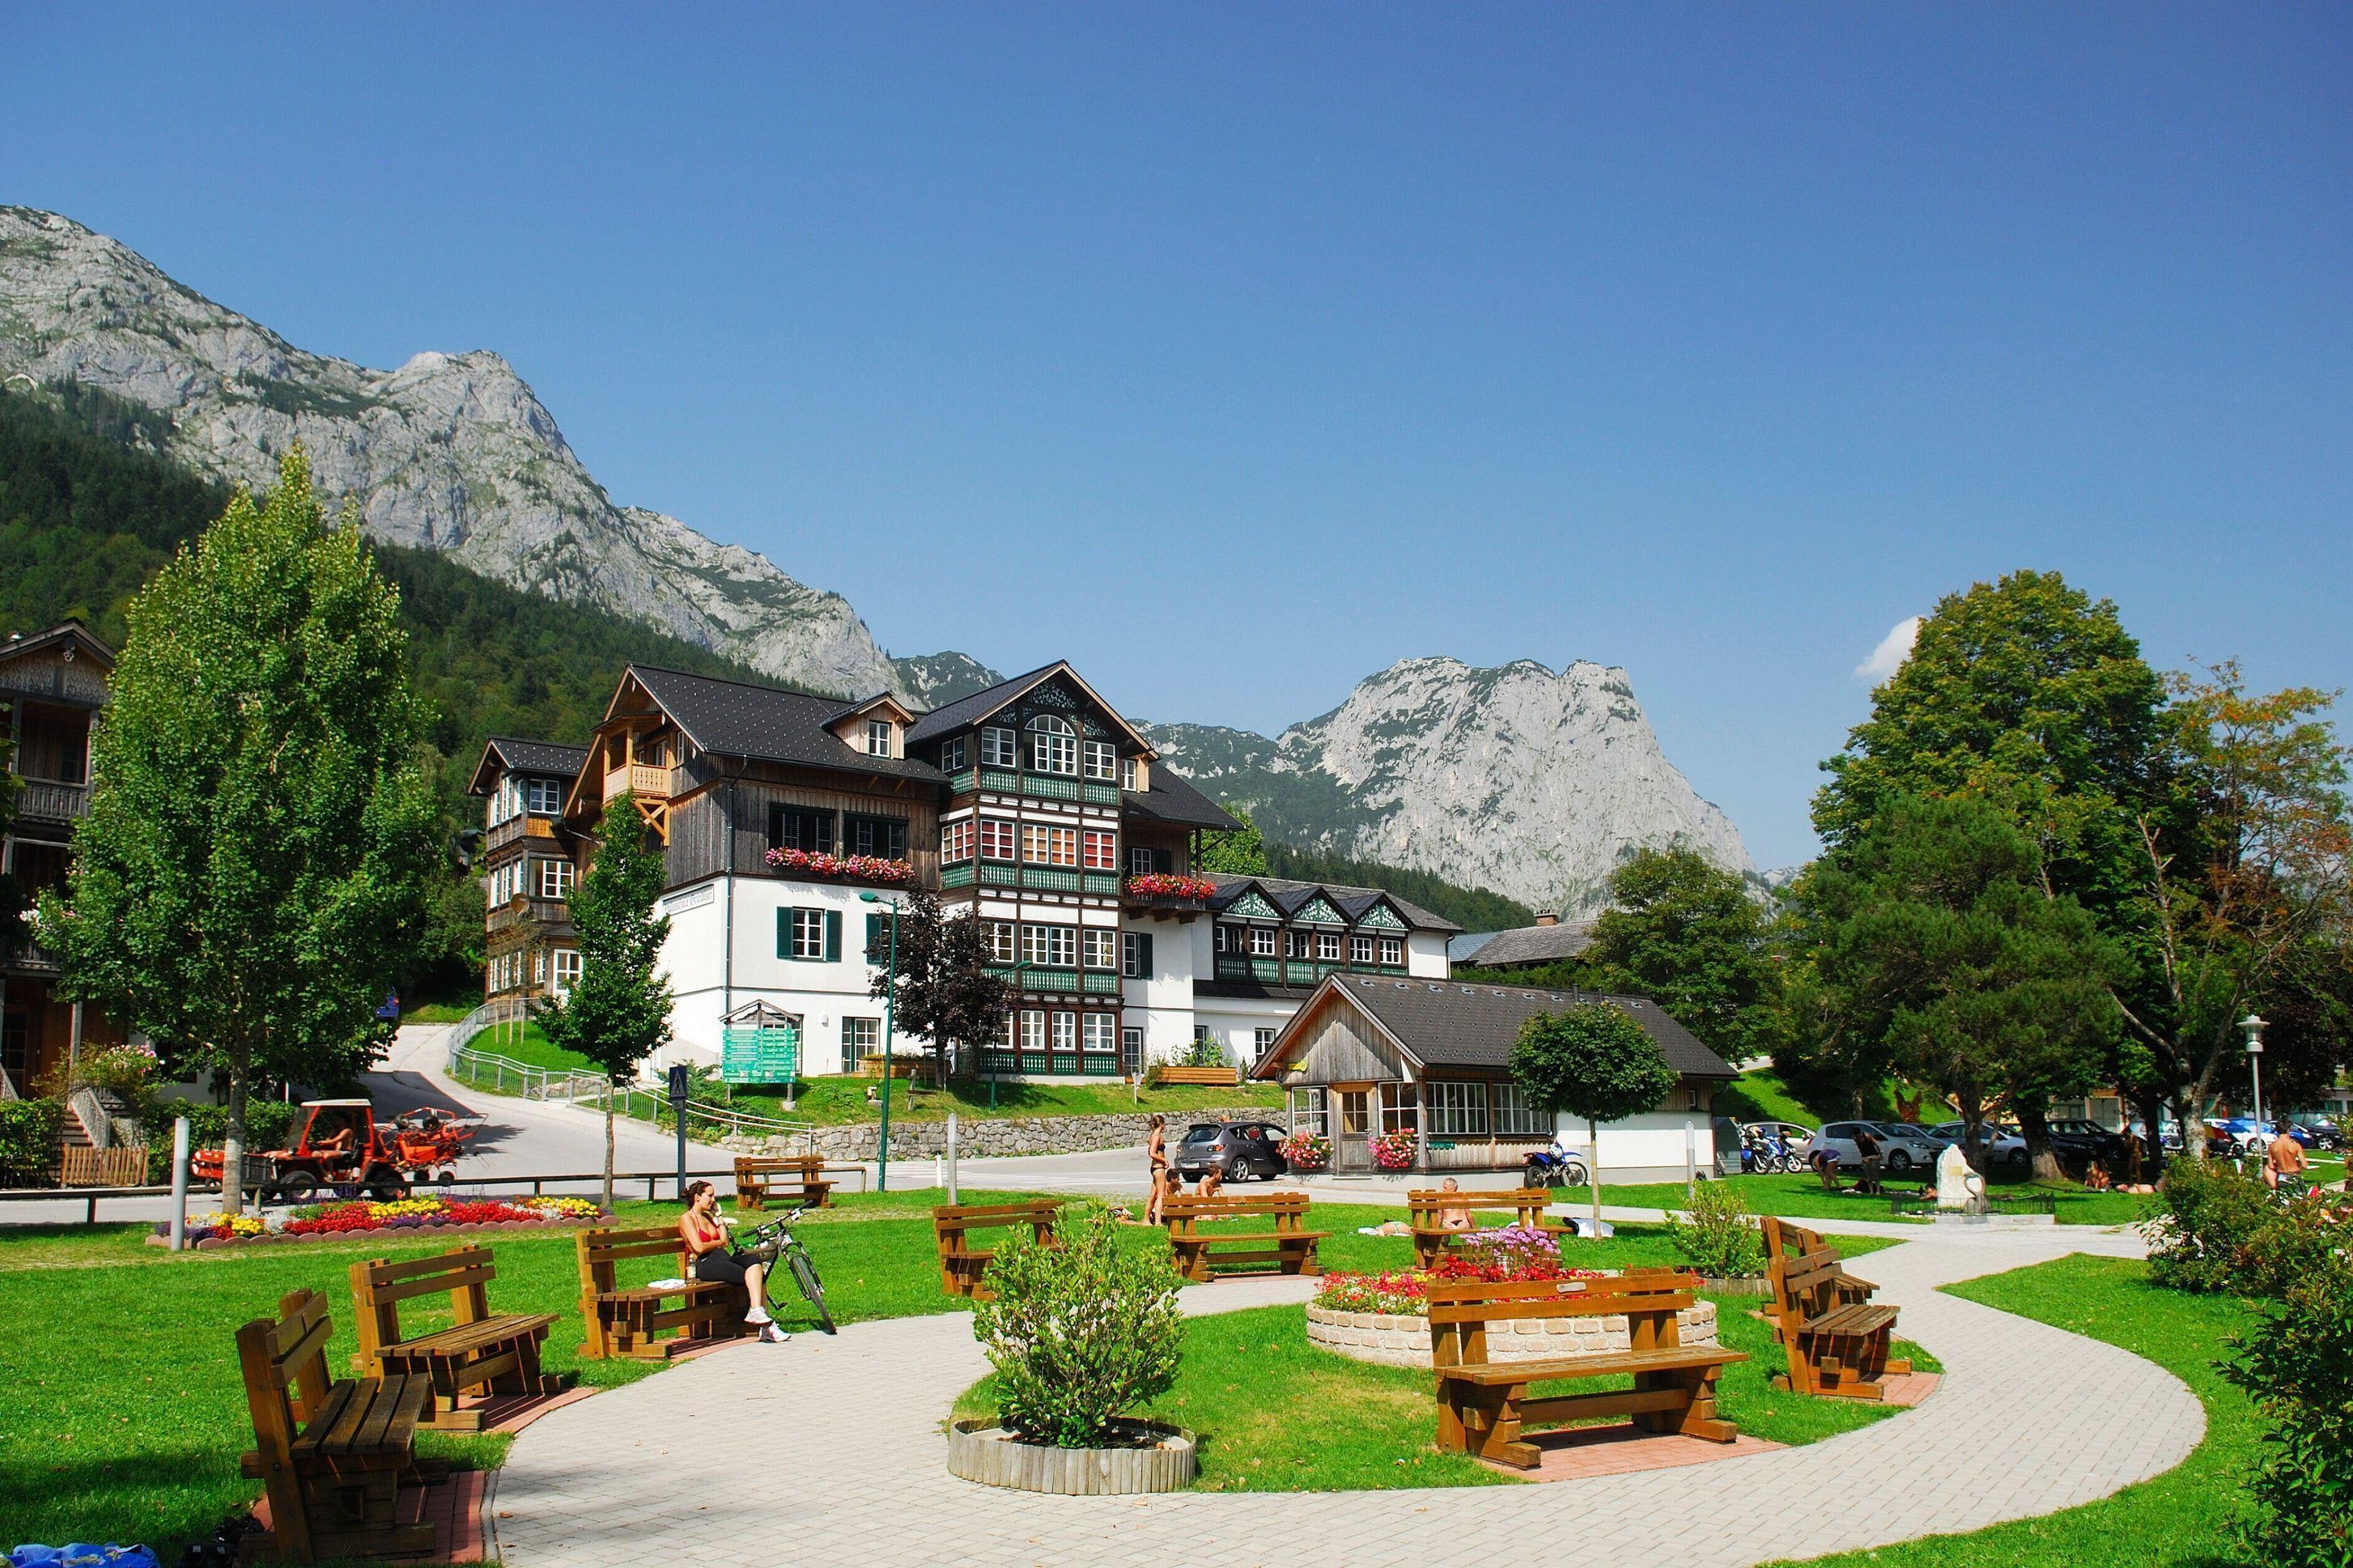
column 711, row 1260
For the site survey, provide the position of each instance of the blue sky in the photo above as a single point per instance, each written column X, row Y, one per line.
column 1244, row 349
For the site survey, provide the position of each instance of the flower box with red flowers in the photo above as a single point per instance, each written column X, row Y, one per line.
column 1167, row 885
column 1394, row 1151
column 843, row 867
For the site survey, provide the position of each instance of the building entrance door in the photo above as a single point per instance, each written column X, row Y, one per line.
column 1352, row 1135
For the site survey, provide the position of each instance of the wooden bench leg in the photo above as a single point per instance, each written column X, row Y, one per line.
column 1491, row 1425
column 1697, row 1417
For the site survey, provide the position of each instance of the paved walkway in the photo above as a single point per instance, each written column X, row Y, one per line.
column 831, row 1451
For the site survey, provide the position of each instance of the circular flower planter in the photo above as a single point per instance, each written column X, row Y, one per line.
column 1402, row 1339
column 980, row 1450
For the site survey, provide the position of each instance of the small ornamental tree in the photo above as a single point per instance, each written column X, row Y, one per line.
column 945, row 993
column 1240, row 853
column 1591, row 1061
column 617, row 1012
column 1079, row 1331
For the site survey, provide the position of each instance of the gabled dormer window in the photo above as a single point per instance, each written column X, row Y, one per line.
column 546, row 796
column 997, row 748
column 878, row 738
column 1053, row 746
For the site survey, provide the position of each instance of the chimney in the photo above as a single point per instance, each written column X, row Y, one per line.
column 1547, row 919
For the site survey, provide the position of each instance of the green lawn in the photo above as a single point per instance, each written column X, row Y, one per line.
column 1759, row 1094
column 1799, row 1195
column 2181, row 1520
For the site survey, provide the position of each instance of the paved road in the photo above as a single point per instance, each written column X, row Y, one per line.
column 2030, row 1419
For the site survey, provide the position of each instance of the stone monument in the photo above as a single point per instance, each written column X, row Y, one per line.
column 1959, row 1190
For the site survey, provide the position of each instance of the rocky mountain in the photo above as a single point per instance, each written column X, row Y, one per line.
column 1530, row 782
column 451, row 452
column 935, row 680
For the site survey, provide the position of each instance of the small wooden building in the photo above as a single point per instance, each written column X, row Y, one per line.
column 1366, row 1056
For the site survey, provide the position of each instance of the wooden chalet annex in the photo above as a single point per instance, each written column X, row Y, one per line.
column 1369, row 1055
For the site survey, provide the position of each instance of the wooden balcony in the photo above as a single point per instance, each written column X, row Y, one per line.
column 645, row 781
column 52, row 802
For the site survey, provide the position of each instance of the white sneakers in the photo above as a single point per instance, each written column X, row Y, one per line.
column 759, row 1316
column 772, row 1335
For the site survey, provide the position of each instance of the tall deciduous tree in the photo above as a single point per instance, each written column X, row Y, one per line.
column 1687, row 934
column 1241, row 853
column 1594, row 1062
column 1942, row 955
column 2252, row 908
column 260, row 836
column 617, row 1012
column 945, row 993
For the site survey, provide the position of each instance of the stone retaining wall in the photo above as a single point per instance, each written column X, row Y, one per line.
column 979, row 1137
column 1402, row 1340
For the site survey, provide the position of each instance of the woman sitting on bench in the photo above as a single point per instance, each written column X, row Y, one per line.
column 713, row 1261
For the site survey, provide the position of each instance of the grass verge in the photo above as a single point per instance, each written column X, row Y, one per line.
column 1799, row 1195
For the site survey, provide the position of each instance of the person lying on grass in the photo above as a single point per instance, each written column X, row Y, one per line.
column 711, row 1260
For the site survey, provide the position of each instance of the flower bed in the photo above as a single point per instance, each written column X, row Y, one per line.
column 1384, row 1318
column 1164, row 884
column 849, row 867
column 1306, row 1150
column 318, row 1221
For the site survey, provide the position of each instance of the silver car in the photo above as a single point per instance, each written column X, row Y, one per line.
column 2005, row 1149
column 1902, row 1149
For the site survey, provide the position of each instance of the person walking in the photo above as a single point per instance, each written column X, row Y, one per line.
column 1155, row 1154
column 2283, row 1159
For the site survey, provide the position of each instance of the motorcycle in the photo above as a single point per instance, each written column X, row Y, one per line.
column 1555, row 1167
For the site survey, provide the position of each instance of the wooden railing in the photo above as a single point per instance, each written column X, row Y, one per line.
column 647, row 781
column 53, row 801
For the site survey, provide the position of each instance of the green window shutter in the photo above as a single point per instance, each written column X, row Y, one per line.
column 878, row 937
column 832, row 936
column 784, row 933
column 1143, row 955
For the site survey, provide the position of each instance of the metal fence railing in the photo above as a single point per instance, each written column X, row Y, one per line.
column 570, row 1086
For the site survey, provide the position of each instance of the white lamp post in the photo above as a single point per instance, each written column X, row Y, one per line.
column 2254, row 1028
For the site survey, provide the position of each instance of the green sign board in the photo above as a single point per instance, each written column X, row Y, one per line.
column 770, row 1054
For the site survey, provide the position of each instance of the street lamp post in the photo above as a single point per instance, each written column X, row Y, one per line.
column 2254, row 1028
column 890, row 1006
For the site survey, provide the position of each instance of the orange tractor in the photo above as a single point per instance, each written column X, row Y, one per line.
column 344, row 1150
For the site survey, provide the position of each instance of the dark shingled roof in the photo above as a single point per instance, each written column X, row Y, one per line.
column 769, row 723
column 976, row 707
column 1289, row 896
column 1174, row 800
column 539, row 756
column 1449, row 1024
column 1534, row 944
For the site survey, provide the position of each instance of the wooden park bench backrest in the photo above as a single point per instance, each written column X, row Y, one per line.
column 950, row 1221
column 1460, row 1311
column 284, row 1362
column 1808, row 1276
column 1287, row 1210
column 600, row 1250
column 1527, row 1203
column 379, row 1286
column 125, row 1165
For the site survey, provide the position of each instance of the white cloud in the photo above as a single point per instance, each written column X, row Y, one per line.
column 1893, row 650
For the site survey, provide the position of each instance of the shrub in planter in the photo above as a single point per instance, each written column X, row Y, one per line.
column 2213, row 1216
column 1079, row 1332
column 1715, row 1235
column 1306, row 1150
column 28, row 1135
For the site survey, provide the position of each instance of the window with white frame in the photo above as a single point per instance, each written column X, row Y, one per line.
column 539, row 965
column 545, row 797
column 805, row 934
column 1100, row 1033
column 1261, row 941
column 997, row 748
column 1135, row 955
column 860, row 1037
column 1393, row 951
column 952, row 755
column 1227, row 938
column 1514, row 1118
column 1101, row 759
column 1296, row 944
column 1327, row 947
column 1099, row 948
column 1457, row 1109
column 1360, row 949
column 555, row 878
column 1066, row 1033
column 1314, row 1113
column 1048, row 845
column 1130, row 770
column 997, row 838
column 878, row 738
column 1102, row 851
column 506, row 801
column 1053, row 746
column 1055, row 946
column 1004, row 942
column 1261, row 1040
column 956, row 840
column 568, row 969
column 1033, row 1030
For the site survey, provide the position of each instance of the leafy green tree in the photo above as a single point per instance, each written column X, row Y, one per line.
column 1594, row 1062
column 1685, row 933
column 253, row 868
column 617, row 1012
column 1942, row 957
column 1239, row 853
column 945, row 993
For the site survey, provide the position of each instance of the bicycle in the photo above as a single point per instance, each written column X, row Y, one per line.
column 774, row 1241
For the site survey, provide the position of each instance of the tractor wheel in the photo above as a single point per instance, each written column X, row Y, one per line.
column 298, row 1187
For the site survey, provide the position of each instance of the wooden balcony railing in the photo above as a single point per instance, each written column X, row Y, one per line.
column 648, row 782
column 53, row 801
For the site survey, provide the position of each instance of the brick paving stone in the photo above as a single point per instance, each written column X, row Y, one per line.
column 830, row 1450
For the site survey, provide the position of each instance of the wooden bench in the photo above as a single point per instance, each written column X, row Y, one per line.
column 759, row 1177
column 1836, row 1339
column 125, row 1165
column 1430, row 1238
column 1482, row 1406
column 636, row 1321
column 332, row 1456
column 1289, row 1246
column 961, row 1264
column 480, row 1349
column 1205, row 1077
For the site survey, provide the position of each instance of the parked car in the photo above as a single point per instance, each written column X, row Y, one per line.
column 1901, row 1148
column 2323, row 1132
column 2005, row 1149
column 2245, row 1135
column 1240, row 1149
column 2078, row 1142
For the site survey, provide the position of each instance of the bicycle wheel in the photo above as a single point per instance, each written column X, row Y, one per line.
column 804, row 1275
